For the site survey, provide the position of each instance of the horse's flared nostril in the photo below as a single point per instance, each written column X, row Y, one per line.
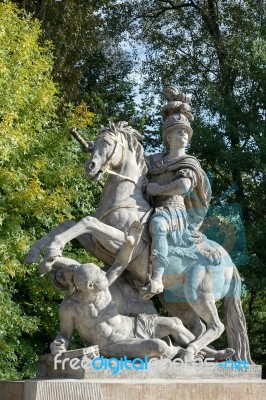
column 90, row 165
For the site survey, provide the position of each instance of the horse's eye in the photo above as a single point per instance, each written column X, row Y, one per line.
column 106, row 143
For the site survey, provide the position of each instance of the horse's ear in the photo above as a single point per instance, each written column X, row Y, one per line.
column 133, row 131
column 122, row 124
column 112, row 127
column 138, row 135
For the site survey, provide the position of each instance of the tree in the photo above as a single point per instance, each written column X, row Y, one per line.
column 215, row 50
column 41, row 184
column 88, row 64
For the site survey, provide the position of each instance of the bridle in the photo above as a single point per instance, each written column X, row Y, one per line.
column 118, row 141
column 88, row 146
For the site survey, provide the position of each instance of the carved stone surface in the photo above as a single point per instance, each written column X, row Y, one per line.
column 12, row 390
column 109, row 389
column 161, row 200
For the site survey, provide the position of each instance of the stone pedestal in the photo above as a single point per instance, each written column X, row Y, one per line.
column 159, row 379
column 12, row 390
column 150, row 389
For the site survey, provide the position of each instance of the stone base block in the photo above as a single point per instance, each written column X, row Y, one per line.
column 135, row 389
column 11, row 390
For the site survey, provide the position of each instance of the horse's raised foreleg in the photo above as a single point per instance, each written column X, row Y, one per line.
column 34, row 254
column 112, row 237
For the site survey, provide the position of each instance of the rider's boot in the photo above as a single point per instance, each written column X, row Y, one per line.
column 154, row 286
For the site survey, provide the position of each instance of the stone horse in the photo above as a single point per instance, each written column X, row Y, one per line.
column 191, row 290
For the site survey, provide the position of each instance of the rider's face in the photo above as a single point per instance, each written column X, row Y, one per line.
column 177, row 138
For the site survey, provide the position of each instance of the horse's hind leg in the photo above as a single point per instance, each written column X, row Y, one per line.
column 187, row 315
column 206, row 309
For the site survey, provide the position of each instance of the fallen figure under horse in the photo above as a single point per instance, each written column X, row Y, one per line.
column 90, row 308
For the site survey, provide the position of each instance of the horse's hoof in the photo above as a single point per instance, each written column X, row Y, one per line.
column 229, row 352
column 187, row 356
column 224, row 354
column 32, row 257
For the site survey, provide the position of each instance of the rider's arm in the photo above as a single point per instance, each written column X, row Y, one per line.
column 176, row 187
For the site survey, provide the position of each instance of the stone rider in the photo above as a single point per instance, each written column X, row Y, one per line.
column 179, row 191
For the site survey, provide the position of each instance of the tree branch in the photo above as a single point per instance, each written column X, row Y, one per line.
column 191, row 62
column 160, row 11
column 154, row 16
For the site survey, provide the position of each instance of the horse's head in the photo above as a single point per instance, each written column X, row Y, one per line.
column 108, row 150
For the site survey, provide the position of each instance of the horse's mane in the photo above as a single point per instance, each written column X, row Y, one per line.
column 132, row 137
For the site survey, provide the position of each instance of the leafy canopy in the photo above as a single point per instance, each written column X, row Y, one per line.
column 41, row 184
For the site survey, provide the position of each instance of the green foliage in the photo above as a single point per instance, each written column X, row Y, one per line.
column 89, row 63
column 74, row 27
column 41, row 184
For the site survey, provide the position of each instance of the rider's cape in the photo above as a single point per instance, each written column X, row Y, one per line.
column 197, row 200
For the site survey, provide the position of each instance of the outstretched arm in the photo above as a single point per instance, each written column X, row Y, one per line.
column 62, row 340
column 124, row 255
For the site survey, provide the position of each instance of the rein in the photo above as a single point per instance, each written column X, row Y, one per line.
column 117, row 207
column 109, row 162
column 105, row 168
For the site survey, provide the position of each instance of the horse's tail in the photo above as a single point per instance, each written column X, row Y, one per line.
column 235, row 322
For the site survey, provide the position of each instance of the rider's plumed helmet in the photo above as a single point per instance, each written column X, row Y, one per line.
column 176, row 113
